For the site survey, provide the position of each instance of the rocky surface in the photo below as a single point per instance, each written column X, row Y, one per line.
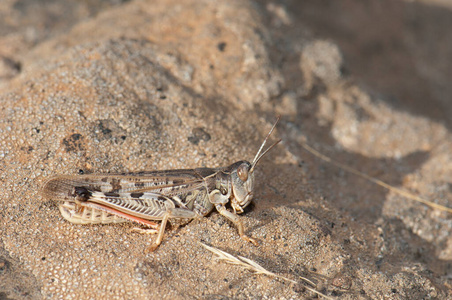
column 105, row 86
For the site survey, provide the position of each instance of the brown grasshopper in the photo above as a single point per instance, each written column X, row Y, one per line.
column 157, row 195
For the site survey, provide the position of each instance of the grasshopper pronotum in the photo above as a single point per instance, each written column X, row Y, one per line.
column 157, row 195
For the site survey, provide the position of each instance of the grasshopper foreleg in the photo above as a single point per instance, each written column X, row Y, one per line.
column 237, row 222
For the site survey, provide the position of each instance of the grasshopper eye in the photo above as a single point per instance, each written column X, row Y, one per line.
column 242, row 172
column 223, row 190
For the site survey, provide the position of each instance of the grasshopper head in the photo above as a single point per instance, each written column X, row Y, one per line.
column 242, row 177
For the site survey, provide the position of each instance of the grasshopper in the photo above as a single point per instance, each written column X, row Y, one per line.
column 143, row 197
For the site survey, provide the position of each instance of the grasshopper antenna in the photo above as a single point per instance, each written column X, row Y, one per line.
column 258, row 154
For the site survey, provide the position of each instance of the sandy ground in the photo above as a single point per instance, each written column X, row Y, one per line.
column 110, row 86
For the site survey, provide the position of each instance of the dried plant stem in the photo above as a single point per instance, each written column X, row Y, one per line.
column 256, row 268
column 376, row 181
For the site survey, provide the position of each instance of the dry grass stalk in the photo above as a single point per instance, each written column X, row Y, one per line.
column 375, row 180
column 256, row 268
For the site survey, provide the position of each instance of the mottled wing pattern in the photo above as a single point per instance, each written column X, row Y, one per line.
column 145, row 195
column 165, row 183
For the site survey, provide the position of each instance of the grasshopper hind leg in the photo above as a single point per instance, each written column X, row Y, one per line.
column 161, row 231
column 170, row 213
